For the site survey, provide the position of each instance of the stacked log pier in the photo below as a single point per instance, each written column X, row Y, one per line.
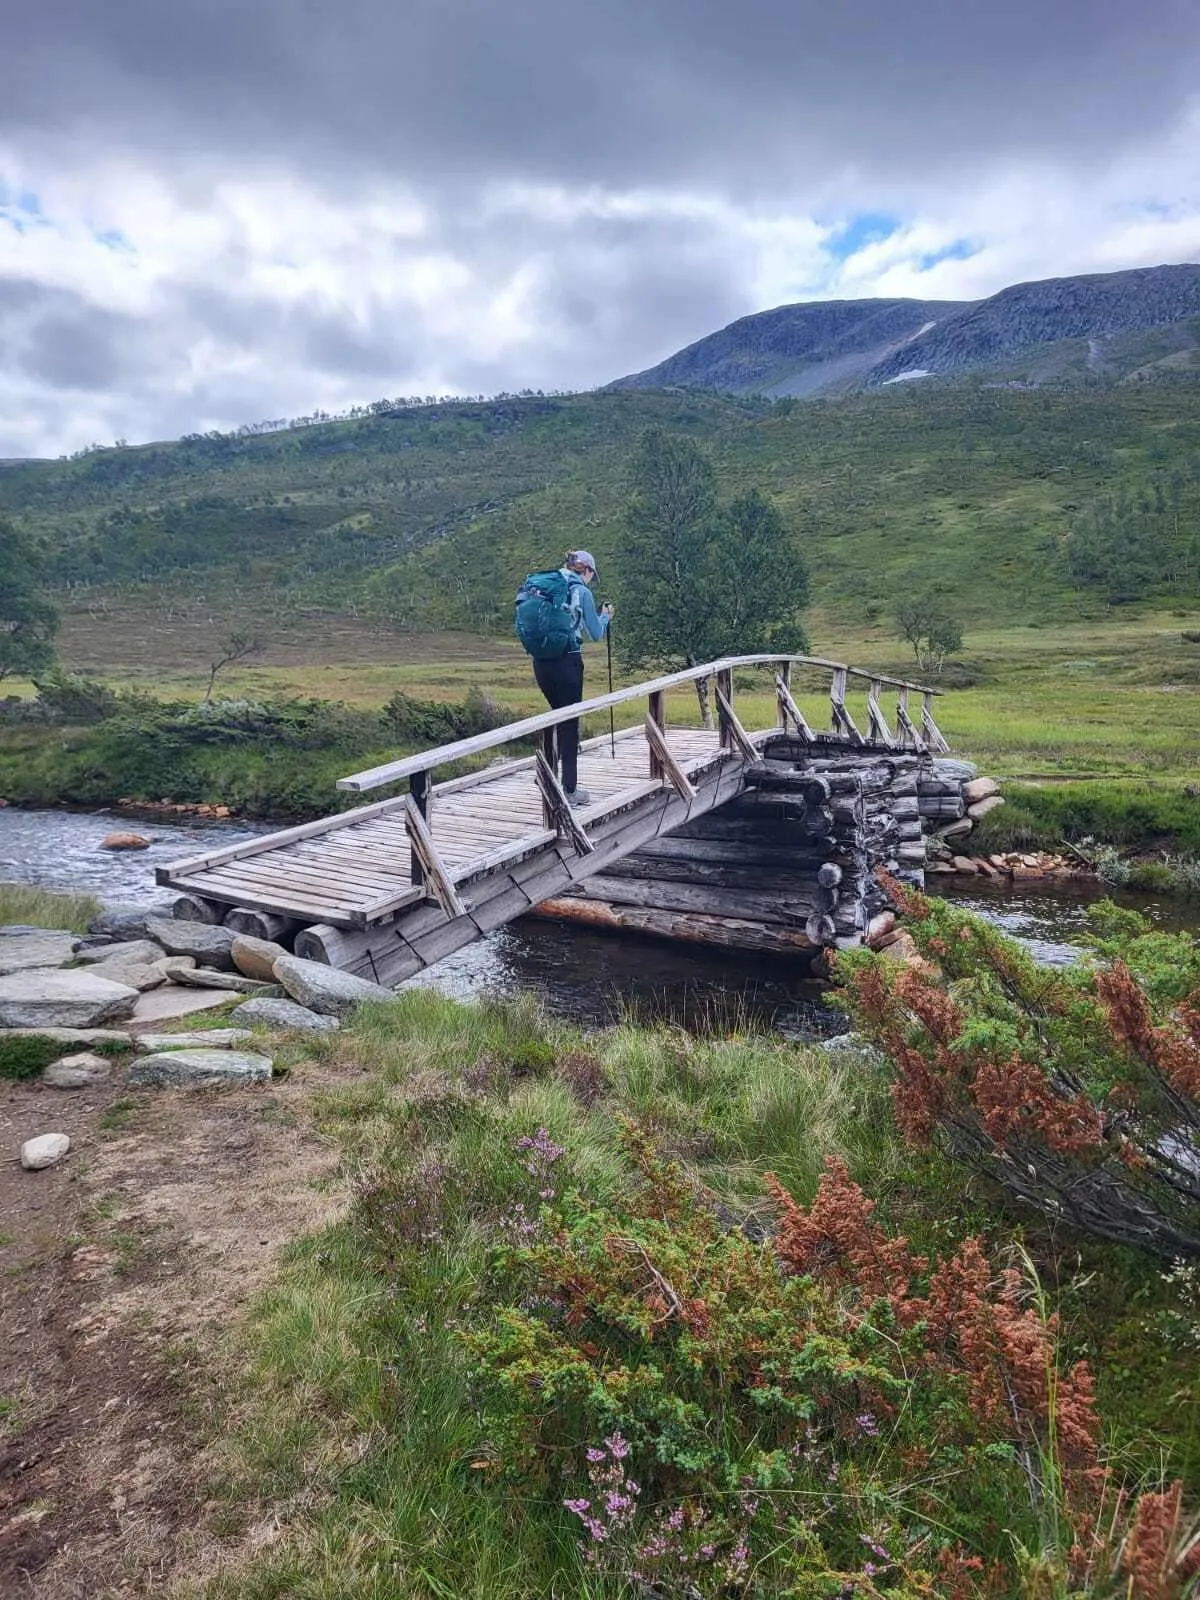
column 789, row 866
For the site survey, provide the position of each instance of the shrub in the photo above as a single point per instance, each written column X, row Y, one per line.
column 25, row 1057
column 827, row 1413
column 1078, row 1091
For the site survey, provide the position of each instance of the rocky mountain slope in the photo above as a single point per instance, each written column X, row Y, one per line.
column 1106, row 327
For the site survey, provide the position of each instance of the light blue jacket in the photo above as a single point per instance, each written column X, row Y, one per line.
column 583, row 609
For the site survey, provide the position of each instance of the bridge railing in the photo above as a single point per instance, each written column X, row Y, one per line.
column 720, row 676
column 662, row 765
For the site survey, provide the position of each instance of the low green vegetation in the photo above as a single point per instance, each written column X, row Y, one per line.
column 573, row 1337
column 25, row 1058
column 82, row 743
column 21, row 904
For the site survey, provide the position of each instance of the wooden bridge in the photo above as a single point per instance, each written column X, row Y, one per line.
column 391, row 887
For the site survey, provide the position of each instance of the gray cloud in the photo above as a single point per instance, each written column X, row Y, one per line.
column 715, row 116
column 447, row 91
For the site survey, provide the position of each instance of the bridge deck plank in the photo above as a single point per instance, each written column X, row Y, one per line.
column 354, row 871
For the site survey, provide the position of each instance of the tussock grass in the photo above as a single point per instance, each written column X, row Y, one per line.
column 362, row 1425
column 20, row 903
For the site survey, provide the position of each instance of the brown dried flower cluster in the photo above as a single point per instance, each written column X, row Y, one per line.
column 976, row 1325
column 1172, row 1051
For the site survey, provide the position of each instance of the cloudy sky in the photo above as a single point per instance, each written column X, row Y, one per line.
column 219, row 211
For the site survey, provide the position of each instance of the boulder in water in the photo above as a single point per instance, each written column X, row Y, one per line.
column 124, row 841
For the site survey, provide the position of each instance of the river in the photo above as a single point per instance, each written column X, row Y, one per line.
column 591, row 977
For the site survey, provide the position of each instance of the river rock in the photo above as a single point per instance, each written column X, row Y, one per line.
column 256, row 958
column 963, row 864
column 284, row 1014
column 136, row 974
column 149, row 1044
column 183, row 1068
column 170, row 965
column 171, row 1001
column 21, row 952
column 327, row 990
column 79, row 1071
column 63, row 999
column 143, row 951
column 45, row 1151
column 206, row 978
column 208, row 943
column 979, row 789
column 950, row 768
column 126, row 921
column 982, row 807
column 955, row 830
column 879, row 928
column 124, row 841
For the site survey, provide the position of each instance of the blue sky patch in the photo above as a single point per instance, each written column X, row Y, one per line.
column 960, row 250
column 869, row 227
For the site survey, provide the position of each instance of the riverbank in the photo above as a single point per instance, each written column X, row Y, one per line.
column 327, row 1307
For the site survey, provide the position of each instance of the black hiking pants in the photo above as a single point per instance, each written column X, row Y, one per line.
column 561, row 680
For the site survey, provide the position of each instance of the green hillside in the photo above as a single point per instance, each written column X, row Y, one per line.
column 1021, row 506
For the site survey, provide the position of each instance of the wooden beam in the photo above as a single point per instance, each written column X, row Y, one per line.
column 876, row 721
column 663, row 764
column 559, row 807
column 433, row 868
column 789, row 708
column 933, row 734
column 910, row 734
column 733, row 735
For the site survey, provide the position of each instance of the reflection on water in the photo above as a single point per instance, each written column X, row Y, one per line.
column 599, row 978
column 576, row 972
column 1050, row 918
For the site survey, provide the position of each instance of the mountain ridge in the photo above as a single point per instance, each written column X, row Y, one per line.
column 1096, row 327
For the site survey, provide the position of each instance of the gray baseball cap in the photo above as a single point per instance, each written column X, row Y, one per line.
column 585, row 558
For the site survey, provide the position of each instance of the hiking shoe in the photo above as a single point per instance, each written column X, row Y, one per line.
column 577, row 798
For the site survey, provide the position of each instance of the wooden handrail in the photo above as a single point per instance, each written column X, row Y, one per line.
column 461, row 749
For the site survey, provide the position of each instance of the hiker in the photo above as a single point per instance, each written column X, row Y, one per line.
column 553, row 610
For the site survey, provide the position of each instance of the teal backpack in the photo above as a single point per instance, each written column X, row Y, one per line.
column 545, row 622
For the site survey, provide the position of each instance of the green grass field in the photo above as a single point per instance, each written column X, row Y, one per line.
column 1101, row 699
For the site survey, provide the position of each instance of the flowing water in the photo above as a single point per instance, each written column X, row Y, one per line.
column 590, row 977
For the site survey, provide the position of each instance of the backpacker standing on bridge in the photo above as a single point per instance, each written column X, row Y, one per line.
column 553, row 610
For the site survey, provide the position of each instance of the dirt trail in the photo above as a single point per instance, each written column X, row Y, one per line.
column 119, row 1271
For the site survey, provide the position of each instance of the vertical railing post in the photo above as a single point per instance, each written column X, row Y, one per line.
column 837, row 700
column 933, row 734
column 725, row 687
column 783, row 689
column 421, row 790
column 550, row 751
column 656, row 710
column 877, row 722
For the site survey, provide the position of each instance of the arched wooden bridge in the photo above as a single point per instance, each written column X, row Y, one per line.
column 391, row 887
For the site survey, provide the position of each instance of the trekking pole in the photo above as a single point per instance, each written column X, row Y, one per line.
column 612, row 728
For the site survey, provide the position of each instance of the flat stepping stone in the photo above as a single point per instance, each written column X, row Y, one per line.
column 162, row 1005
column 136, row 974
column 127, row 921
column 184, row 1068
column 19, row 952
column 149, row 1044
column 79, row 1071
column 58, row 999
column 326, row 989
column 210, row 945
column 142, row 952
column 45, row 1151
column 79, row 1036
column 284, row 1014
column 206, row 978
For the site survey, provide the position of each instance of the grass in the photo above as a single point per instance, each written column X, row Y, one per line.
column 352, row 1401
column 39, row 908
